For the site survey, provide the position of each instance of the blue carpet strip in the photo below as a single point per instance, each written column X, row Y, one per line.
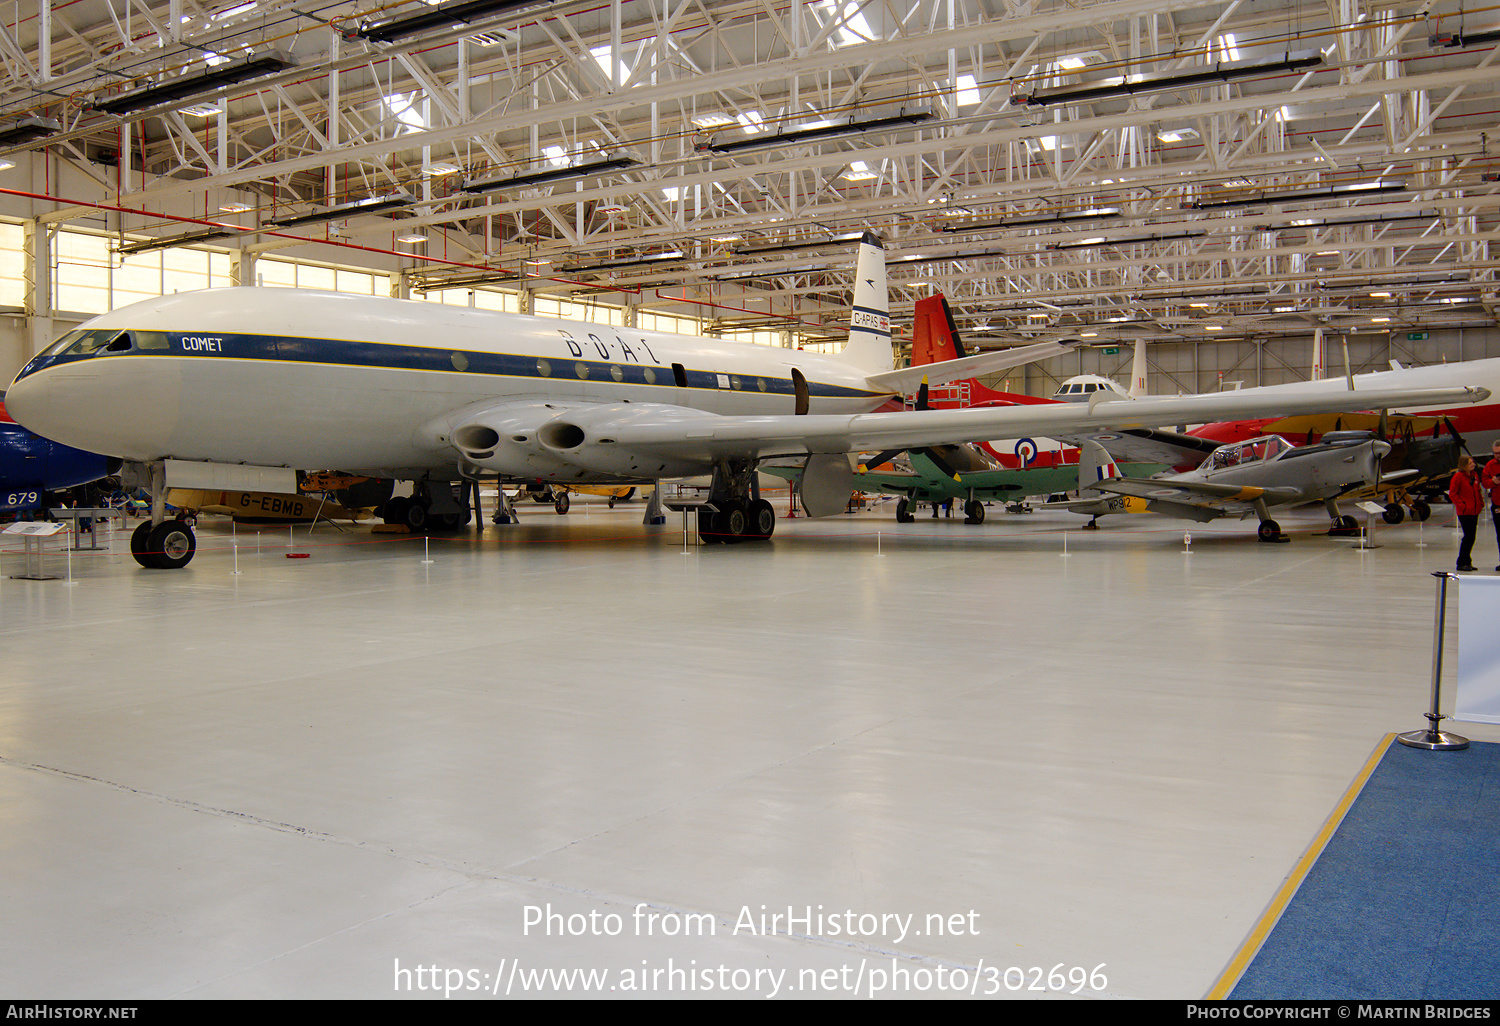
column 1400, row 900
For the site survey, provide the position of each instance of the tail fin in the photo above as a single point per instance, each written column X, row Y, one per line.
column 869, row 347
column 1138, row 370
column 1095, row 464
column 934, row 335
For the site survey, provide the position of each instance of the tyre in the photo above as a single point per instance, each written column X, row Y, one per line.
column 1393, row 514
column 762, row 520
column 903, row 512
column 561, row 503
column 973, row 512
column 140, row 544
column 1420, row 511
column 415, row 516
column 1345, row 523
column 733, row 523
column 707, row 529
column 1268, row 531
column 172, row 545
column 394, row 511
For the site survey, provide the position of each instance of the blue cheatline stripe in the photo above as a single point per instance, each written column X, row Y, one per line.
column 1396, row 899
column 386, row 355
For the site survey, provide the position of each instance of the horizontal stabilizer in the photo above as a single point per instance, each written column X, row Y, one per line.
column 906, row 379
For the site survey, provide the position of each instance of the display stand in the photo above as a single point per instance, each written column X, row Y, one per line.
column 1432, row 738
column 33, row 532
column 93, row 516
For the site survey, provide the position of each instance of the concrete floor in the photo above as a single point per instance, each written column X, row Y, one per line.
column 361, row 775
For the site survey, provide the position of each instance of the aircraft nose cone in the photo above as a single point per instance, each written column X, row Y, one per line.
column 1381, row 448
column 21, row 401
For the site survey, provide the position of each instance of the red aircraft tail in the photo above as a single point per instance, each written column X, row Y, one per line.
column 934, row 339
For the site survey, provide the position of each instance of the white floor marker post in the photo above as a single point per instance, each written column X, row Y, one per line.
column 425, row 558
column 1065, row 545
column 877, row 544
column 1187, row 542
column 69, row 539
column 236, row 571
column 1421, row 544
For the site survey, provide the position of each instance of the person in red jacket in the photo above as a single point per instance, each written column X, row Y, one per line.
column 1491, row 481
column 1467, row 498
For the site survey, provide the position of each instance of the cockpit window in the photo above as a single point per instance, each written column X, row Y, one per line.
column 151, row 340
column 61, row 344
column 89, row 342
column 1255, row 451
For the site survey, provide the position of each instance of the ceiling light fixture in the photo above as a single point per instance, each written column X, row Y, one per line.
column 464, row 12
column 132, row 248
column 1096, row 214
column 1158, row 81
column 183, row 87
column 369, row 205
column 1261, row 199
column 1090, row 243
column 817, row 133
column 28, row 130
column 557, row 174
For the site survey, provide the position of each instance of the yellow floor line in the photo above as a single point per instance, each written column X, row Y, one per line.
column 1248, row 950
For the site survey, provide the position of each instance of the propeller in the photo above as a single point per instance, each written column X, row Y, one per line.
column 931, row 453
column 1448, row 423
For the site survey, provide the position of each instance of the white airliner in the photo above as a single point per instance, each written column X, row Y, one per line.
column 231, row 388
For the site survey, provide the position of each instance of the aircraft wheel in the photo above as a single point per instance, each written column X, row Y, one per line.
column 762, row 520
column 394, row 511
column 560, row 503
column 973, row 512
column 171, row 545
column 415, row 516
column 903, row 512
column 708, row 528
column 734, row 523
column 448, row 521
column 1268, row 531
column 1345, row 523
column 1420, row 511
column 140, row 544
column 1393, row 514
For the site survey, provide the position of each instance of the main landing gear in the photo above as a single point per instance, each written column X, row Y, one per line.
column 161, row 543
column 169, row 545
column 1342, row 526
column 432, row 506
column 905, row 506
column 739, row 514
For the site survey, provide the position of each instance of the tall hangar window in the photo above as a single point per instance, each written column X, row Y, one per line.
column 298, row 274
column 577, row 310
column 677, row 325
column 484, row 299
column 757, row 336
column 89, row 277
column 12, row 264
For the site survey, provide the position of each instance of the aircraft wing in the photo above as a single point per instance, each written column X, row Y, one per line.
column 906, row 379
column 1194, row 493
column 588, row 435
column 1150, row 445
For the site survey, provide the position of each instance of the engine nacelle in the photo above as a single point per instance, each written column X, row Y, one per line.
column 502, row 439
column 585, row 437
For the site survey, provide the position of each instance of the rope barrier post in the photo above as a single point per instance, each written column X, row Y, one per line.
column 1432, row 738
